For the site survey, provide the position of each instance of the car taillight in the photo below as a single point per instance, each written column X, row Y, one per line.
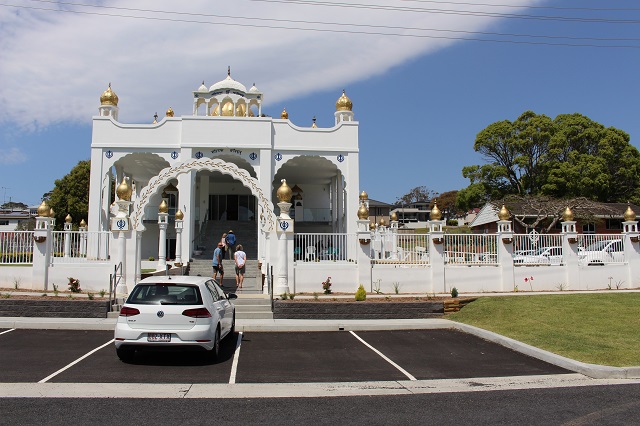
column 128, row 312
column 197, row 313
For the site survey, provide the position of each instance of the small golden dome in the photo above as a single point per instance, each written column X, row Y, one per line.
column 314, row 125
column 284, row 115
column 372, row 226
column 83, row 224
column 504, row 214
column 43, row 209
column 567, row 215
column 436, row 214
column 364, row 196
column 394, row 216
column 124, row 190
column 179, row 215
column 363, row 213
column 381, row 223
column 68, row 218
column 170, row 112
column 284, row 192
column 163, row 208
column 629, row 214
column 109, row 97
column 344, row 103
column 51, row 212
column 227, row 110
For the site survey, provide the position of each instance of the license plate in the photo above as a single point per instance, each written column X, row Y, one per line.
column 159, row 337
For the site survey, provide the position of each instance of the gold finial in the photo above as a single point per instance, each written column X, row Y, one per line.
column 364, row 196
column 284, row 115
column 51, row 212
column 155, row 118
column 372, row 226
column 43, row 209
column 68, row 218
column 284, row 192
column 314, row 126
column 163, row 208
column 124, row 189
column 381, row 223
column 83, row 224
column 109, row 97
column 229, row 70
column 504, row 214
column 179, row 215
column 363, row 212
column 436, row 214
column 344, row 103
column 567, row 215
column 170, row 112
column 629, row 214
column 394, row 217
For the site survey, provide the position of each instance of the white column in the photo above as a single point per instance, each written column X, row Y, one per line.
column 340, row 201
column 364, row 254
column 631, row 251
column 41, row 253
column 436, row 257
column 67, row 239
column 163, row 219
column 179, row 224
column 505, row 255
column 285, row 250
column 121, row 226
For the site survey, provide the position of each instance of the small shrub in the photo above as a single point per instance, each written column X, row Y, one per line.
column 43, row 295
column 74, row 285
column 6, row 295
column 376, row 286
column 619, row 284
column 284, row 296
column 55, row 290
column 315, row 295
column 361, row 293
column 396, row 287
column 16, row 283
column 70, row 296
column 90, row 296
column 102, row 293
column 454, row 292
column 561, row 286
column 292, row 295
column 326, row 286
column 151, row 258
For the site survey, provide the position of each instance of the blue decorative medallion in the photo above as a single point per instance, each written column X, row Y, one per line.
column 174, row 155
column 121, row 224
column 253, row 156
column 108, row 154
column 340, row 158
column 278, row 157
column 284, row 225
column 199, row 155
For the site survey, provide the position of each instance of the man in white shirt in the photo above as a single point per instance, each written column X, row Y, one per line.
column 240, row 258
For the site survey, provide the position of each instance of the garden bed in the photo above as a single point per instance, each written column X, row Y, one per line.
column 53, row 306
column 350, row 309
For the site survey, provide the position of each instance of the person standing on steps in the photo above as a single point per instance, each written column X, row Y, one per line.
column 240, row 258
column 217, row 264
column 231, row 241
column 223, row 240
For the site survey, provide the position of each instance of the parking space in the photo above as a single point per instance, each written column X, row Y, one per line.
column 270, row 357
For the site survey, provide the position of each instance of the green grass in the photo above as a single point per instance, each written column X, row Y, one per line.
column 593, row 328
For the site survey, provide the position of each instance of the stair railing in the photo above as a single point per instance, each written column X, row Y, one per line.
column 114, row 280
column 197, row 241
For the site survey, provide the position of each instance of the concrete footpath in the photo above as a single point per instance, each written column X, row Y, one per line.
column 292, row 325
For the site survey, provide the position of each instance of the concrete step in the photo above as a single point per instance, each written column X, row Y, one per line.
column 254, row 315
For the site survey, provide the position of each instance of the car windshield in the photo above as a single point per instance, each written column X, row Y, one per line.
column 165, row 294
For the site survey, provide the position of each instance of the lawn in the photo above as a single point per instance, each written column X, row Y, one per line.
column 593, row 328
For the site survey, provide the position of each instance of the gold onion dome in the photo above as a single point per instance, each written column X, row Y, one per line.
column 372, row 226
column 51, row 212
column 364, row 196
column 504, row 214
column 163, row 208
column 284, row 115
column 124, row 190
column 436, row 214
column 344, row 103
column 567, row 215
column 43, row 209
column 381, row 223
column 394, row 216
column 83, row 223
column 227, row 110
column 363, row 213
column 284, row 192
column 179, row 215
column 629, row 215
column 109, row 97
column 170, row 112
column 68, row 219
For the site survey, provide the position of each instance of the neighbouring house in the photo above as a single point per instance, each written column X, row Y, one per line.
column 379, row 210
column 10, row 220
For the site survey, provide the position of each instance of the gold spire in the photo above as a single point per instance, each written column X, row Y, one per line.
column 109, row 97
column 170, row 112
column 394, row 217
column 436, row 214
column 43, row 209
column 363, row 213
column 629, row 215
column 163, row 208
column 284, row 115
column 314, row 126
column 124, row 190
column 504, row 214
column 68, row 219
column 364, row 196
column 567, row 215
column 381, row 223
column 284, row 192
column 372, row 226
column 344, row 103
column 179, row 215
column 51, row 212
column 155, row 118
column 83, row 224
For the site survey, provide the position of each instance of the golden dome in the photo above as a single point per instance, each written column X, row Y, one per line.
column 436, row 214
column 344, row 103
column 372, row 226
column 179, row 215
column 83, row 224
column 284, row 192
column 43, row 209
column 124, row 190
column 68, row 218
column 567, row 214
column 394, row 216
column 363, row 213
column 629, row 215
column 504, row 214
column 364, row 196
column 241, row 109
column 227, row 110
column 170, row 112
column 381, row 223
column 109, row 97
column 284, row 115
column 163, row 208
column 51, row 212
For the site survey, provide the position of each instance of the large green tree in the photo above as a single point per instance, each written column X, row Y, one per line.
column 567, row 157
column 71, row 194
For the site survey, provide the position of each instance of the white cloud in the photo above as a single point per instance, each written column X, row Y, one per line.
column 54, row 65
column 12, row 156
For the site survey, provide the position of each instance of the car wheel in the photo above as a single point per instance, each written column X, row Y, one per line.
column 125, row 354
column 215, row 351
column 232, row 330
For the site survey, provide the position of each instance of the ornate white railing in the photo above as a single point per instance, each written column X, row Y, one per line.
column 16, row 247
column 600, row 249
column 537, row 249
column 325, row 247
column 390, row 247
column 79, row 246
column 471, row 249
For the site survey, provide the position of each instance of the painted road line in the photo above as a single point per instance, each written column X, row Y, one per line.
column 6, row 331
column 234, row 365
column 46, row 379
column 402, row 370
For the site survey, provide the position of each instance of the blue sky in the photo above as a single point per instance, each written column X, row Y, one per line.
column 420, row 101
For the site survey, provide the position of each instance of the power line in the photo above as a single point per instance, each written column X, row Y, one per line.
column 590, row 9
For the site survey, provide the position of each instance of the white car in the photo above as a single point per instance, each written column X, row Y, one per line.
column 602, row 252
column 541, row 256
column 175, row 312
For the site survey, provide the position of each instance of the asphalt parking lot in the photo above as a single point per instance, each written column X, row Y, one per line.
column 68, row 356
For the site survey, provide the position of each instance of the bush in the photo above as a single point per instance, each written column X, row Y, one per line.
column 454, row 292
column 151, row 258
column 361, row 294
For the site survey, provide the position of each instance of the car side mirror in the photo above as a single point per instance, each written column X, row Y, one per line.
column 232, row 296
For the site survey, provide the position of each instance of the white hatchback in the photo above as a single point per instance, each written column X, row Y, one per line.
column 168, row 312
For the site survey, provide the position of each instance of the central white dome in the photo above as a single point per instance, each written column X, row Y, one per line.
column 228, row 83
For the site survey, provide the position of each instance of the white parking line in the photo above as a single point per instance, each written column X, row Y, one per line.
column 402, row 370
column 46, row 379
column 6, row 331
column 234, row 365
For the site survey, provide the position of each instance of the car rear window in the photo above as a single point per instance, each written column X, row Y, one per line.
column 165, row 294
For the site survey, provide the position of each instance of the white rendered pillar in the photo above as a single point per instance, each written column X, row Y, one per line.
column 179, row 225
column 285, row 234
column 121, row 225
column 67, row 236
column 163, row 219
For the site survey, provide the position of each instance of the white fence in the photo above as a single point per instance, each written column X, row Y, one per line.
column 471, row 249
column 16, row 247
column 79, row 246
column 390, row 247
column 325, row 247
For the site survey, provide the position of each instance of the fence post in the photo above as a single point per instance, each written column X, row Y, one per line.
column 505, row 250
column 42, row 246
column 631, row 245
column 365, row 266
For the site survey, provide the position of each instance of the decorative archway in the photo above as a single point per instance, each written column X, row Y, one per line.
column 267, row 216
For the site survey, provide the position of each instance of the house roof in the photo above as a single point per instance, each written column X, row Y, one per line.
column 376, row 203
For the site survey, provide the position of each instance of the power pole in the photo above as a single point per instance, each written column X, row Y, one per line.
column 4, row 196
